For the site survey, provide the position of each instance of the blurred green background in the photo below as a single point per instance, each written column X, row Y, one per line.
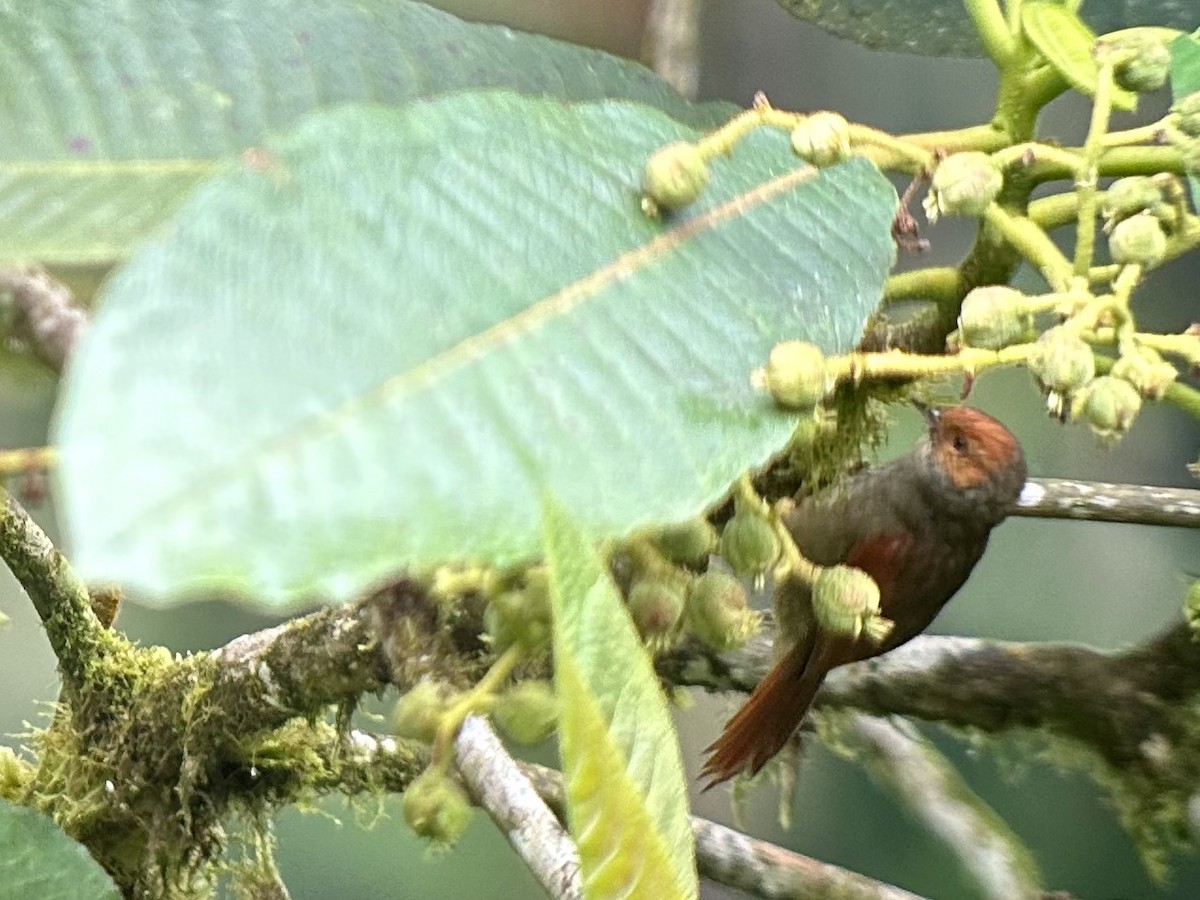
column 1104, row 585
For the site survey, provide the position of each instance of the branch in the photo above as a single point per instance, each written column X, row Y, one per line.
column 914, row 769
column 60, row 598
column 336, row 655
column 1133, row 712
column 731, row 858
column 1055, row 498
column 498, row 786
column 47, row 317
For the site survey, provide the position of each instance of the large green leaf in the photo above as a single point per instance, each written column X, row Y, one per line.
column 1185, row 79
column 111, row 111
column 39, row 862
column 944, row 28
column 373, row 347
column 625, row 787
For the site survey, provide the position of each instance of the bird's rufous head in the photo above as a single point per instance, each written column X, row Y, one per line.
column 976, row 455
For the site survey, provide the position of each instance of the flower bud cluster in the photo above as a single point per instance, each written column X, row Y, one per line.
column 1138, row 240
column 993, row 317
column 1145, row 62
column 822, row 138
column 964, row 184
column 797, row 376
column 435, row 807
column 846, row 602
column 1109, row 404
column 1063, row 365
column 675, row 176
column 521, row 614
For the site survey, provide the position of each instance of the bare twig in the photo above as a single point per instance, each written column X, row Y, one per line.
column 46, row 315
column 60, row 598
column 995, row 857
column 499, row 787
column 1055, row 498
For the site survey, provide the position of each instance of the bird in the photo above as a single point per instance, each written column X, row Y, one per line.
column 917, row 525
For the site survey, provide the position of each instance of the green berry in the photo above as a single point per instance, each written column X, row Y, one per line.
column 964, row 184
column 822, row 138
column 675, row 175
column 1128, row 196
column 1148, row 69
column 1110, row 405
column 687, row 543
column 527, row 712
column 796, row 375
column 1061, row 361
column 520, row 615
column 1138, row 240
column 845, row 599
column 419, row 712
column 1147, row 371
column 656, row 605
column 993, row 317
column 436, row 808
column 717, row 611
column 749, row 544
column 1187, row 114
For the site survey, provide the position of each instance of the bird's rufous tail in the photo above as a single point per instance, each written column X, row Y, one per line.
column 767, row 719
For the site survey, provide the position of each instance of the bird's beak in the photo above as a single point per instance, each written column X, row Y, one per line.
column 931, row 413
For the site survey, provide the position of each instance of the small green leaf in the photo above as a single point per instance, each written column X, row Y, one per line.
column 371, row 347
column 39, row 862
column 1185, row 79
column 626, row 792
column 1067, row 43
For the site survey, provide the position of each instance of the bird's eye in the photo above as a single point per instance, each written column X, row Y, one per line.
column 960, row 444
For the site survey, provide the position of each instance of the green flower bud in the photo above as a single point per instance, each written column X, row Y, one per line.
column 1110, row 405
column 717, row 612
column 527, row 712
column 795, row 375
column 419, row 712
column 520, row 616
column 846, row 602
column 1128, row 196
column 1148, row 69
column 1061, row 361
column 1187, row 114
column 656, row 605
column 675, row 175
column 1138, row 239
column 436, row 808
column 964, row 184
column 687, row 543
column 1147, row 371
column 993, row 317
column 822, row 138
column 749, row 544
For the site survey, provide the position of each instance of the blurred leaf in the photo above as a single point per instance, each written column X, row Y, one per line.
column 113, row 110
column 625, row 786
column 1185, row 79
column 39, row 862
column 1062, row 37
column 374, row 346
column 944, row 28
